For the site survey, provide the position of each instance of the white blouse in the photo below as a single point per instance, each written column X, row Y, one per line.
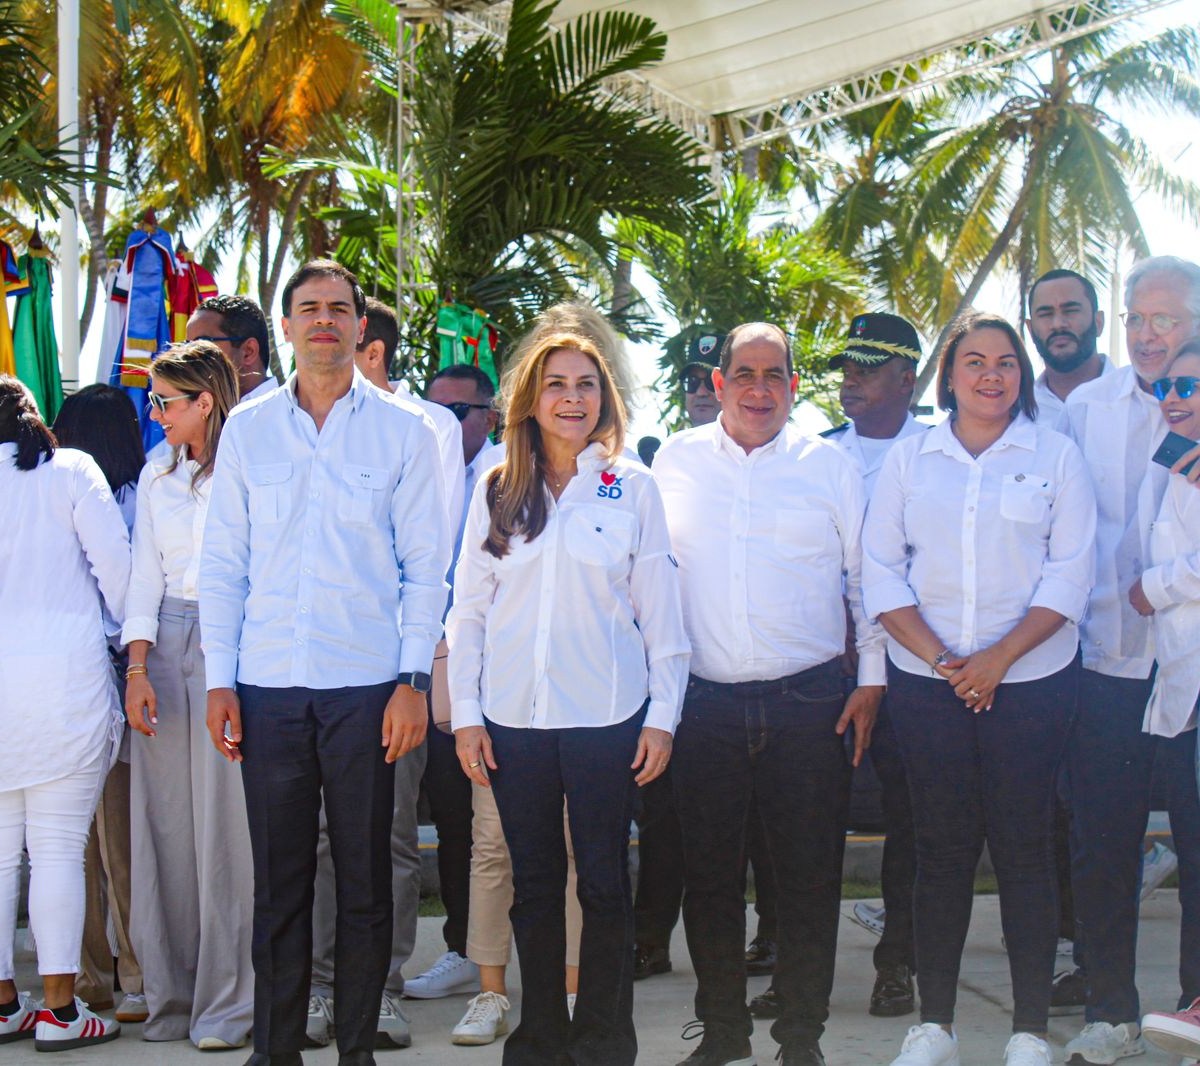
column 577, row 626
column 167, row 533
column 1172, row 585
column 63, row 555
column 974, row 543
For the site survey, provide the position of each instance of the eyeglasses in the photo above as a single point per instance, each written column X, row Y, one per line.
column 235, row 341
column 1184, row 386
column 159, row 403
column 1162, row 324
column 461, row 410
column 692, row 382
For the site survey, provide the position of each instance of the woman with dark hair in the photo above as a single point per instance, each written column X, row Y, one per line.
column 192, row 874
column 978, row 558
column 64, row 557
column 566, row 569
column 102, row 421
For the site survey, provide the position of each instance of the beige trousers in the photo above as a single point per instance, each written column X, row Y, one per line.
column 489, row 932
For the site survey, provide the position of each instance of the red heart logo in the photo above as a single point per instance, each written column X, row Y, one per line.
column 608, row 477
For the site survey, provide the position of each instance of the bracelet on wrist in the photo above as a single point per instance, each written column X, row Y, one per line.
column 940, row 660
column 133, row 671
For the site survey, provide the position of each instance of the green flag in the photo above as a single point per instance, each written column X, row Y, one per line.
column 34, row 344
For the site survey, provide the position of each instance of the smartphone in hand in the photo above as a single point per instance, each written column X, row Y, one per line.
column 1172, row 449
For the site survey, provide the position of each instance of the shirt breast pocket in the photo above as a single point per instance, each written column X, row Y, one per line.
column 802, row 534
column 268, row 486
column 599, row 536
column 1024, row 498
column 360, row 493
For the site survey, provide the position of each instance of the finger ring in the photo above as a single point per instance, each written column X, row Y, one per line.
column 972, row 693
column 472, row 765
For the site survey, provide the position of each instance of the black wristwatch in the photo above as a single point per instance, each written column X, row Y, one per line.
column 416, row 680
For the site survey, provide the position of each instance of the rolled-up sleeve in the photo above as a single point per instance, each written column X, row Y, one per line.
column 654, row 593
column 1069, row 569
column 147, row 583
column 225, row 563
column 474, row 588
column 423, row 547
column 885, row 584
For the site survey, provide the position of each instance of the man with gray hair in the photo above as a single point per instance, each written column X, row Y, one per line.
column 1116, row 422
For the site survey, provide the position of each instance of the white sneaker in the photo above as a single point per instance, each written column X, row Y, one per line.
column 19, row 1026
column 392, row 1030
column 450, row 975
column 571, row 996
column 1066, row 948
column 319, row 1027
column 483, row 1022
column 1157, row 865
column 216, row 1043
column 870, row 917
column 928, row 1045
column 1025, row 1049
column 132, row 1009
column 88, row 1028
column 1101, row 1044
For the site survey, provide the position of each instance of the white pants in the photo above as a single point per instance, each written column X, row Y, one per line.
column 51, row 819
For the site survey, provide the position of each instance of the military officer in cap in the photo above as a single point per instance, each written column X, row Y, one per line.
column 699, row 399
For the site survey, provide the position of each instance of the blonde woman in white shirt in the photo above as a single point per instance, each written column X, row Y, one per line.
column 192, row 890
column 568, row 661
column 64, row 555
column 978, row 559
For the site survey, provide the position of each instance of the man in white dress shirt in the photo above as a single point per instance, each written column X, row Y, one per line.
column 765, row 523
column 322, row 586
column 879, row 366
column 1064, row 321
column 1117, row 424
column 237, row 326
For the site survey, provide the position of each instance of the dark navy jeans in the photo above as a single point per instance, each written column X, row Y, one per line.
column 975, row 778
column 899, row 871
column 537, row 768
column 772, row 741
column 1110, row 764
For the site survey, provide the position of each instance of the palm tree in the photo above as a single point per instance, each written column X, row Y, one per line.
column 1040, row 173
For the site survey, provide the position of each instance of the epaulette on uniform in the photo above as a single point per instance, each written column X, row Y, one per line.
column 835, row 430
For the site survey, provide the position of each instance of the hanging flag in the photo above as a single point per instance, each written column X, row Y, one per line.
column 11, row 284
column 192, row 285
column 147, row 270
column 35, row 345
column 467, row 336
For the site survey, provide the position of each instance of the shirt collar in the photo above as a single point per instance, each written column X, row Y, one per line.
column 8, row 450
column 722, row 441
column 359, row 388
column 1021, row 433
column 591, row 457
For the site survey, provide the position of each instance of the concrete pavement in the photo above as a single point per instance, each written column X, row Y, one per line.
column 663, row 1004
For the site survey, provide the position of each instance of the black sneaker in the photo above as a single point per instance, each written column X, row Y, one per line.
column 1068, row 993
column 802, row 1054
column 715, row 1050
column 649, row 961
column 760, row 957
column 766, row 1005
column 892, row 995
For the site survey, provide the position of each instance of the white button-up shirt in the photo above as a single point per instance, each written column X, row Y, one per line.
column 764, row 542
column 314, row 542
column 1049, row 406
column 869, row 459
column 1118, row 427
column 488, row 456
column 167, row 533
column 974, row 543
column 577, row 626
column 264, row 388
column 64, row 553
column 1172, row 585
column 448, row 430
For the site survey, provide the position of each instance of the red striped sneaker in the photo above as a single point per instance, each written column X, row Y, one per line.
column 19, row 1026
column 88, row 1028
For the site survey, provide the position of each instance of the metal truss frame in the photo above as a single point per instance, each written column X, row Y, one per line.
column 1000, row 44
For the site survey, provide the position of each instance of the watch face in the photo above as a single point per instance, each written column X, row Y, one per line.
column 419, row 681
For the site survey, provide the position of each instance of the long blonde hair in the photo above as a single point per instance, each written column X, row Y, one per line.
column 195, row 367
column 517, row 488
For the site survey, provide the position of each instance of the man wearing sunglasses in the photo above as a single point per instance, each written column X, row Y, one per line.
column 1117, row 424
column 237, row 326
column 699, row 399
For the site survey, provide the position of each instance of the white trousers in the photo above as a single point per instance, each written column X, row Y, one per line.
column 52, row 820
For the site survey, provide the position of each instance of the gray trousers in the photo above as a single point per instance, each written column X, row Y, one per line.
column 193, row 880
column 406, row 883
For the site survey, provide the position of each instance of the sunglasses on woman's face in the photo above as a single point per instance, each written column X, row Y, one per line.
column 1184, row 386
column 692, row 382
column 159, row 403
column 461, row 410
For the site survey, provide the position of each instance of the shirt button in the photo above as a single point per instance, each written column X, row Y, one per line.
column 304, row 610
column 310, row 532
column 307, row 570
column 970, row 508
column 299, row 640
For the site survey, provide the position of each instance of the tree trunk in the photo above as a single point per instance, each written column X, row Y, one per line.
column 268, row 280
column 94, row 216
column 622, row 294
